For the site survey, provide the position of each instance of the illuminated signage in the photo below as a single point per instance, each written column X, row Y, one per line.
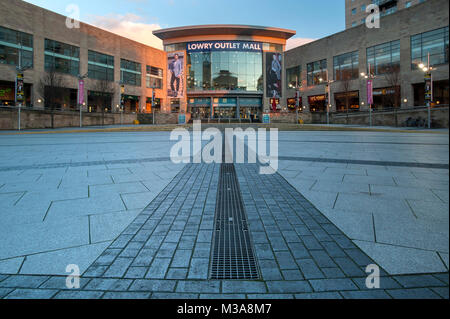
column 206, row 46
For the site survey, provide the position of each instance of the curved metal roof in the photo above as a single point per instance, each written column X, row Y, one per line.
column 223, row 29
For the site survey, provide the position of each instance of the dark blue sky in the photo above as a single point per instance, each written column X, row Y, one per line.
column 310, row 18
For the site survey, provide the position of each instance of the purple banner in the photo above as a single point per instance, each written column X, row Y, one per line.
column 80, row 92
column 369, row 92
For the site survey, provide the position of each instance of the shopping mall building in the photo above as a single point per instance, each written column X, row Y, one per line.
column 221, row 71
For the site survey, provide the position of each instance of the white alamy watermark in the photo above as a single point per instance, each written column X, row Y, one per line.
column 73, row 16
column 373, row 19
column 373, row 279
column 212, row 152
column 73, row 280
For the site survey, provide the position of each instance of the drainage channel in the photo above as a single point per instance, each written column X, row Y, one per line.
column 233, row 255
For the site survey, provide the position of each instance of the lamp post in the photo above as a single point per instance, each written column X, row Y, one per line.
column 327, row 94
column 20, row 86
column 80, row 98
column 297, row 97
column 369, row 77
column 428, row 86
column 153, row 103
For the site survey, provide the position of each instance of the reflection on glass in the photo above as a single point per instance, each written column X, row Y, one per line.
column 233, row 71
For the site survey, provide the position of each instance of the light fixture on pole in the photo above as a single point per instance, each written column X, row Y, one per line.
column 428, row 86
column 297, row 98
column 369, row 77
column 80, row 97
column 19, row 96
column 327, row 94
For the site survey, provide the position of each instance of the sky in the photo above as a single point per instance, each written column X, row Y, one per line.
column 136, row 19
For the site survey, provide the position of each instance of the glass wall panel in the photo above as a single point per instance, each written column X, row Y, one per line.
column 384, row 57
column 433, row 42
column 11, row 42
column 100, row 66
column 317, row 71
column 346, row 66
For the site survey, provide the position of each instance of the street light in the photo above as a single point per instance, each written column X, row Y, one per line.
column 369, row 77
column 428, row 86
column 81, row 95
column 297, row 97
column 328, row 94
column 20, row 88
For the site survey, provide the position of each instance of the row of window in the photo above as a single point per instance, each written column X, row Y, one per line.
column 16, row 48
column 381, row 59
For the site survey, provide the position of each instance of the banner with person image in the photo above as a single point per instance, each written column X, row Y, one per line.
column 273, row 74
column 175, row 75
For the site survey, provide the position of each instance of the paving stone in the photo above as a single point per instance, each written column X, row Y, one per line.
column 385, row 283
column 153, row 285
column 322, row 258
column 333, row 284
column 366, row 294
column 136, row 272
column 443, row 277
column 158, row 295
column 21, row 281
column 198, row 268
column 415, row 293
column 223, row 296
column 5, row 291
column 285, row 260
column 108, row 284
column 58, row 282
column 348, row 267
column 177, row 273
column 416, row 281
column 333, row 249
column 442, row 291
column 158, row 268
column 299, row 250
column 181, row 258
column 333, row 273
column 270, row 296
column 288, row 286
column 269, row 270
column 243, row 287
column 126, row 295
column 31, row 294
column 118, row 268
column 319, row 295
column 95, row 271
column 292, row 275
column 74, row 294
column 191, row 286
column 309, row 269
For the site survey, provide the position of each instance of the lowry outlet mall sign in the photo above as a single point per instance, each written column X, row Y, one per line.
column 206, row 46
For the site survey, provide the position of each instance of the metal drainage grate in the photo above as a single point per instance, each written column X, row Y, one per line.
column 233, row 255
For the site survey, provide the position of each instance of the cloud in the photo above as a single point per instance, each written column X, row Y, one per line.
column 130, row 26
column 296, row 42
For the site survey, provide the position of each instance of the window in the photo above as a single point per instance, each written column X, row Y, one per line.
column 225, row 70
column 11, row 42
column 130, row 72
column 61, row 57
column 353, row 11
column 408, row 4
column 384, row 57
column 363, row 8
column 346, row 66
column 317, row 72
column 434, row 42
column 293, row 77
column 100, row 66
column 154, row 78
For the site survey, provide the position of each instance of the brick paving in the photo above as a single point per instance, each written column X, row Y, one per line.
column 165, row 252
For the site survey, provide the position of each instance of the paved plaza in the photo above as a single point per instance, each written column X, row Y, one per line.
column 140, row 226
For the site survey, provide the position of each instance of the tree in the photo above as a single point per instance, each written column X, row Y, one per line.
column 345, row 88
column 51, row 87
column 105, row 90
column 393, row 79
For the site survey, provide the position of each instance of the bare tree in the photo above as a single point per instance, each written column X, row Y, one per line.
column 393, row 79
column 345, row 88
column 51, row 87
column 105, row 90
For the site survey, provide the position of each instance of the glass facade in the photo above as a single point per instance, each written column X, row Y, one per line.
column 346, row 66
column 100, row 66
column 293, row 77
column 384, row 57
column 11, row 42
column 130, row 72
column 154, row 77
column 225, row 70
column 316, row 71
column 61, row 57
column 433, row 42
